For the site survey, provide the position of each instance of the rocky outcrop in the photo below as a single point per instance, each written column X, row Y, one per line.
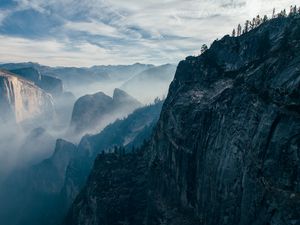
column 21, row 101
column 92, row 113
column 226, row 148
column 50, row 84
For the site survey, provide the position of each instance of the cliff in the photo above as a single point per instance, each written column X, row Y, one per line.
column 21, row 101
column 92, row 113
column 129, row 133
column 50, row 84
column 226, row 148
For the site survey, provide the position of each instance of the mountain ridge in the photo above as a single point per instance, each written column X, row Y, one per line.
column 226, row 147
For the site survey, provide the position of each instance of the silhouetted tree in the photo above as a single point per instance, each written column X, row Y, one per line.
column 295, row 10
column 253, row 23
column 257, row 21
column 284, row 13
column 203, row 48
column 273, row 14
column 239, row 30
column 265, row 19
column 246, row 29
column 233, row 33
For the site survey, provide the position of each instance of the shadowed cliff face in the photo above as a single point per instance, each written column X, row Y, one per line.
column 226, row 149
column 235, row 158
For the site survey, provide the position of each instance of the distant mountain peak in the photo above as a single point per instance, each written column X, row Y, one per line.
column 119, row 93
column 120, row 96
column 94, row 112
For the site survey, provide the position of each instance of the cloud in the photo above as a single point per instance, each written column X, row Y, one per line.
column 87, row 32
column 93, row 28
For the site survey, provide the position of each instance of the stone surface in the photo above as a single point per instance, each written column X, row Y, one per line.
column 129, row 133
column 21, row 101
column 92, row 113
column 226, row 148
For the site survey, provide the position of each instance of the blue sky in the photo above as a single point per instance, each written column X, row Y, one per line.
column 97, row 32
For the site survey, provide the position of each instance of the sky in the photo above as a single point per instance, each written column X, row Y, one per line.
column 83, row 33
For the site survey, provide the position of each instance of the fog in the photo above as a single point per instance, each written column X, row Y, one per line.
column 24, row 144
column 107, row 87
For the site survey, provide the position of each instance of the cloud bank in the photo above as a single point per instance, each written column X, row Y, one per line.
column 89, row 32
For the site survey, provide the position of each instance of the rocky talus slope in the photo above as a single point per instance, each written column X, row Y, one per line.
column 226, row 149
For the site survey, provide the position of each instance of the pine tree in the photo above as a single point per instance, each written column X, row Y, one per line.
column 265, row 19
column 284, row 13
column 239, row 30
column 203, row 48
column 291, row 10
column 257, row 20
column 246, row 26
column 233, row 33
column 273, row 14
column 252, row 24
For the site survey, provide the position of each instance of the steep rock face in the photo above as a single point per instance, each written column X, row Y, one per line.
column 226, row 148
column 21, row 101
column 129, row 133
column 235, row 158
column 121, row 198
column 92, row 113
column 50, row 84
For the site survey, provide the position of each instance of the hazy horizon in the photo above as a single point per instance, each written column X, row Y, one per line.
column 86, row 67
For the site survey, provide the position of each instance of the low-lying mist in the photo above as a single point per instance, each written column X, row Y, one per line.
column 24, row 144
